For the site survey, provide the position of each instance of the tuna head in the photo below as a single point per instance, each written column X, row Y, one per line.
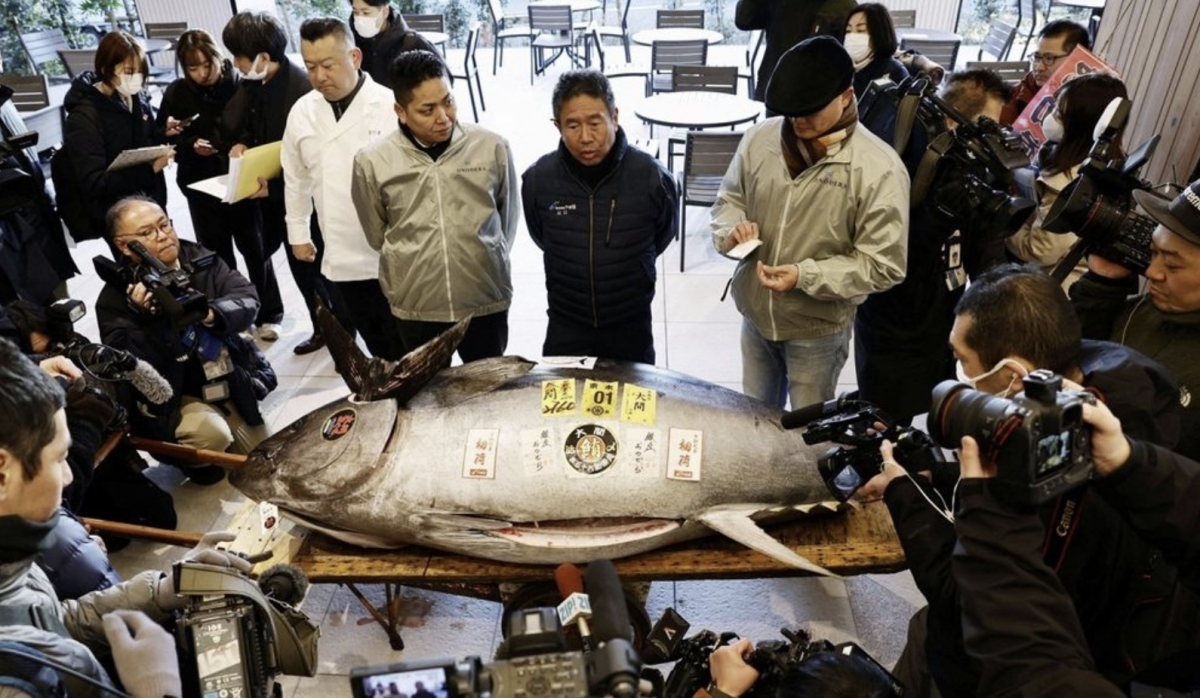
column 317, row 458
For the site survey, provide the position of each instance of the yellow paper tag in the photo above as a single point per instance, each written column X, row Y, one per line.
column 558, row 397
column 600, row 398
column 639, row 405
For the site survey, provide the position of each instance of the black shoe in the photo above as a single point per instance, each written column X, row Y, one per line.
column 204, row 475
column 310, row 345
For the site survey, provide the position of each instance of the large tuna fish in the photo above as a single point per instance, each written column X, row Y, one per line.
column 522, row 462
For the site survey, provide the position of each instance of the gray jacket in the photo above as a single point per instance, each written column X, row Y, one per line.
column 443, row 229
column 843, row 222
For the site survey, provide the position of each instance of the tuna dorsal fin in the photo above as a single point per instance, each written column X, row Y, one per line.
column 372, row 378
column 734, row 522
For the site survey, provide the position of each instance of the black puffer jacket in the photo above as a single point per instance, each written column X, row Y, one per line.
column 184, row 99
column 787, row 23
column 98, row 128
column 152, row 338
column 600, row 244
column 380, row 50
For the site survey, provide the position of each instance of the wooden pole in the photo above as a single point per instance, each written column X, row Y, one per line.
column 187, row 453
column 159, row 535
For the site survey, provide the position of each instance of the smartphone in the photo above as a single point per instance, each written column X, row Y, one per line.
column 188, row 121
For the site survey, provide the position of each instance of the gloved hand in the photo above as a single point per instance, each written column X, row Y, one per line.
column 206, row 553
column 145, row 659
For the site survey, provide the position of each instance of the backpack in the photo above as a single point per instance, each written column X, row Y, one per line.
column 72, row 205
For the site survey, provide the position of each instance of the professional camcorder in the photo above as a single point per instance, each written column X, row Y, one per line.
column 1098, row 205
column 1038, row 440
column 858, row 427
column 172, row 289
column 533, row 661
column 236, row 636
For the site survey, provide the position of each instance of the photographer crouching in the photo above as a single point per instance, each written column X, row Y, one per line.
column 181, row 309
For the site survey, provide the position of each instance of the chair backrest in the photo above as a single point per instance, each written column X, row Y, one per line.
column 625, row 15
column 690, row 19
column 904, row 18
column 497, row 11
column 166, row 30
column 425, row 23
column 30, row 92
column 550, row 18
column 594, row 33
column 78, row 60
column 943, row 53
column 42, row 47
column 704, row 78
column 708, row 153
column 1011, row 72
column 469, row 63
column 1026, row 9
column 999, row 40
column 664, row 54
column 753, row 46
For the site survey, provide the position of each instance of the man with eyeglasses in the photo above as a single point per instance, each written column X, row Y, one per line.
column 218, row 375
column 1056, row 41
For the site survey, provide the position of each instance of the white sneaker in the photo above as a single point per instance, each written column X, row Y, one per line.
column 269, row 331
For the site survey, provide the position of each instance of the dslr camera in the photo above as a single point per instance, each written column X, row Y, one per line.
column 1098, row 205
column 1038, row 440
column 235, row 636
column 172, row 289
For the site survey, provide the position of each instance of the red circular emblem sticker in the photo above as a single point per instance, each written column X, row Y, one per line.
column 338, row 425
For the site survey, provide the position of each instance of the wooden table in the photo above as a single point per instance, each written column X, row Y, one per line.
column 647, row 37
column 697, row 109
column 856, row 541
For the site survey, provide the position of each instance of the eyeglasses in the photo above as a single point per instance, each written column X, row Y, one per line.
column 1046, row 58
column 165, row 228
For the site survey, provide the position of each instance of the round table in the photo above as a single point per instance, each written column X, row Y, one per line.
column 647, row 37
column 155, row 45
column 576, row 5
column 919, row 34
column 697, row 109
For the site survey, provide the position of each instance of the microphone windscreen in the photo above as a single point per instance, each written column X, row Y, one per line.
column 568, row 579
column 610, row 617
column 150, row 383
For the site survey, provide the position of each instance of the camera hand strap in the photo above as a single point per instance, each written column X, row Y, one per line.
column 1061, row 529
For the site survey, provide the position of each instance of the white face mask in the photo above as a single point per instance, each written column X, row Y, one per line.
column 962, row 376
column 254, row 73
column 1052, row 128
column 130, row 85
column 368, row 27
column 859, row 48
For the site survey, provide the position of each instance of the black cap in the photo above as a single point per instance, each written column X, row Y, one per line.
column 809, row 76
column 1181, row 214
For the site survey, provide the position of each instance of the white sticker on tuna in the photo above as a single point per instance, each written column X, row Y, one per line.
column 479, row 459
column 584, row 362
column 645, row 450
column 685, row 451
column 538, row 449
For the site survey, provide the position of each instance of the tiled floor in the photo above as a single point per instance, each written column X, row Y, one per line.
column 694, row 333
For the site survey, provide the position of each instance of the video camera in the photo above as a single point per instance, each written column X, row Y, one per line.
column 964, row 175
column 858, row 427
column 240, row 635
column 1098, row 205
column 1038, row 440
column 532, row 662
column 171, row 289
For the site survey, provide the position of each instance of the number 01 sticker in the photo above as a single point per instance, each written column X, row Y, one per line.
column 600, row 398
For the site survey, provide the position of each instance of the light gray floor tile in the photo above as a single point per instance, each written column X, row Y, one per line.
column 708, row 350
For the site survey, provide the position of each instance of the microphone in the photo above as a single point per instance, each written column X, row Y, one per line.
column 109, row 364
column 284, row 582
column 576, row 608
column 662, row 643
column 810, row 413
column 614, row 667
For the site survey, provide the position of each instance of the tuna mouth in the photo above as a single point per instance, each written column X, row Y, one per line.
column 577, row 532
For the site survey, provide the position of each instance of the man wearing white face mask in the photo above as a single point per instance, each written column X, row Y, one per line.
column 381, row 33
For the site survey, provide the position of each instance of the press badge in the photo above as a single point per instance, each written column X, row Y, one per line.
column 952, row 260
column 218, row 367
column 216, row 392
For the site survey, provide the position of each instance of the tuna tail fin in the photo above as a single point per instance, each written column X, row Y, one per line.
column 372, row 378
column 735, row 522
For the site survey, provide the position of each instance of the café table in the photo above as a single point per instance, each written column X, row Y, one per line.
column 647, row 37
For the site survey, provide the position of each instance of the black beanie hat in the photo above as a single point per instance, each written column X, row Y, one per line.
column 808, row 77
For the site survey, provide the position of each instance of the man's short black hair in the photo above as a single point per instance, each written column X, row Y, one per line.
column 411, row 68
column 1073, row 34
column 835, row 675
column 967, row 90
column 251, row 33
column 588, row 83
column 372, row 3
column 29, row 399
column 318, row 28
column 112, row 218
column 1018, row 310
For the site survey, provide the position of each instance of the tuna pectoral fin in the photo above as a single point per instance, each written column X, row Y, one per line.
column 377, row 379
column 735, row 522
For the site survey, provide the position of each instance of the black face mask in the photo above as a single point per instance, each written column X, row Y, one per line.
column 21, row 538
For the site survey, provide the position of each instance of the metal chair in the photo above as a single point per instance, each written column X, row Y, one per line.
column 698, row 78
column 427, row 25
column 30, row 92
column 621, row 32
column 612, row 70
column 502, row 33
column 41, row 47
column 688, row 19
column 554, row 30
column 904, row 19
column 1012, row 72
column 77, row 60
column 167, row 31
column 471, row 70
column 1027, row 9
column 943, row 53
column 999, row 40
column 705, row 160
column 664, row 55
column 753, row 49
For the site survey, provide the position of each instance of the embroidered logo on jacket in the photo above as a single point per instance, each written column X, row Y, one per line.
column 561, row 209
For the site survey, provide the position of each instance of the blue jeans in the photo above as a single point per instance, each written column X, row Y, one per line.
column 806, row 370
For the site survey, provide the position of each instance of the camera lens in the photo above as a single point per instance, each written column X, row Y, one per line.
column 959, row 411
